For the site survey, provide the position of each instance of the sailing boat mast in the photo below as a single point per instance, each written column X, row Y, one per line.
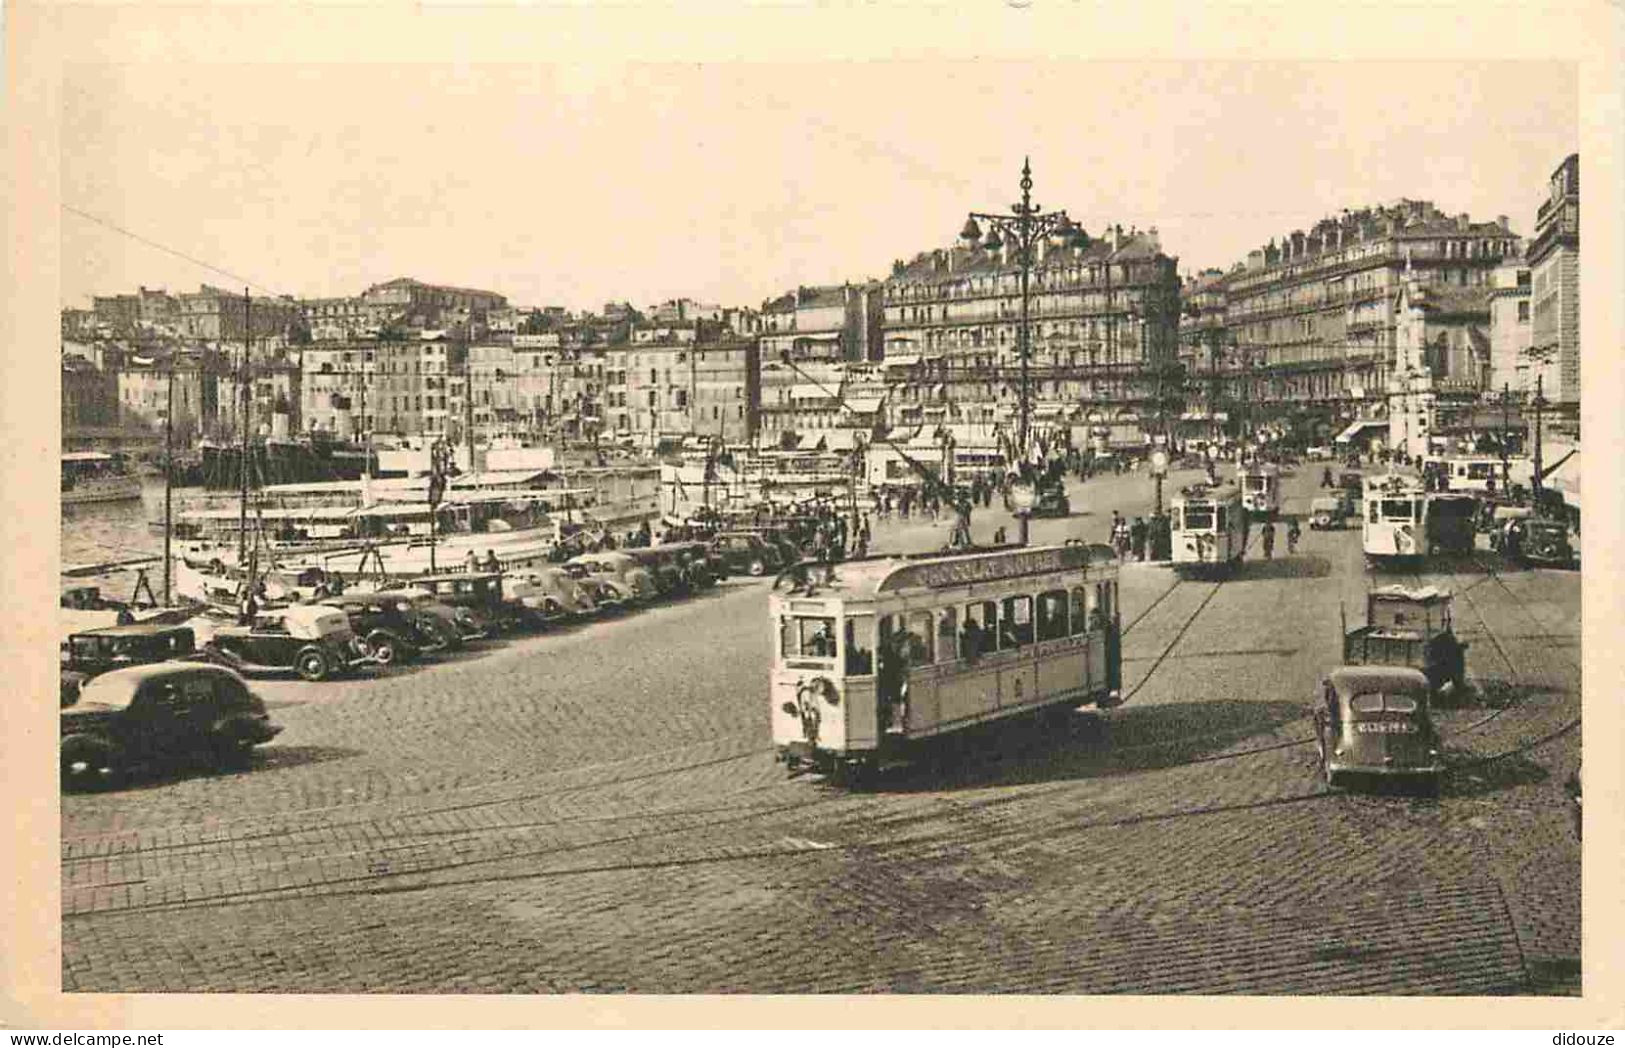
column 242, row 472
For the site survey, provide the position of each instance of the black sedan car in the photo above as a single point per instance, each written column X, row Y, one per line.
column 144, row 714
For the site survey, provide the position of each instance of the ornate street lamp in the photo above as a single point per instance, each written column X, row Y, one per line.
column 1022, row 230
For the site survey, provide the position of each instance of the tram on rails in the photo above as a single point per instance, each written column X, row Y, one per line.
column 1209, row 528
column 876, row 658
column 1260, row 484
column 1394, row 519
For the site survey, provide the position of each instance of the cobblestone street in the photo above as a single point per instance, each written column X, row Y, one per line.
column 598, row 809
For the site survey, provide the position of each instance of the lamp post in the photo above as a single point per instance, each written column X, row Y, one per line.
column 1024, row 227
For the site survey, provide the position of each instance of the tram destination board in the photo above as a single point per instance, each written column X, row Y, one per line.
column 992, row 567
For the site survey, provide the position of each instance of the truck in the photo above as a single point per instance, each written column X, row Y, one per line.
column 1409, row 627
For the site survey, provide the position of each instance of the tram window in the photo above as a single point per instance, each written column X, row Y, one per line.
column 1375, row 506
column 1052, row 615
column 1398, row 509
column 1080, row 610
column 807, row 636
column 1200, row 518
column 921, row 639
column 947, row 634
column 981, row 628
column 1016, row 622
column 860, row 645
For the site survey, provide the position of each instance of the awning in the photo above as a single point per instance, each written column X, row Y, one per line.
column 841, row 439
column 810, row 391
column 1359, row 427
column 901, row 360
column 1566, row 480
column 901, row 434
column 864, row 405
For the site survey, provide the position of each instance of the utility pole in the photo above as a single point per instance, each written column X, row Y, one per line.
column 1540, row 401
column 242, row 420
column 1506, row 432
column 169, row 474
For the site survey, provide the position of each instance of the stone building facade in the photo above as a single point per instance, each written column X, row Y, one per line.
column 1554, row 268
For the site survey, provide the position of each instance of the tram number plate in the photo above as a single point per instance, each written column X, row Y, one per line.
column 1385, row 728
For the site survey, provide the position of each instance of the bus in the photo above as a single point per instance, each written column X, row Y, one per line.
column 1209, row 527
column 1394, row 518
column 875, row 658
column 1260, row 484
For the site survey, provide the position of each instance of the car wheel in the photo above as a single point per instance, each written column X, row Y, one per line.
column 228, row 749
column 312, row 664
column 757, row 568
column 386, row 651
column 88, row 763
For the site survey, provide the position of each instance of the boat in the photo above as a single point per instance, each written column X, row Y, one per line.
column 94, row 476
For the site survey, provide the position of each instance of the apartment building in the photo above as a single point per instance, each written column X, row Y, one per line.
column 1554, row 269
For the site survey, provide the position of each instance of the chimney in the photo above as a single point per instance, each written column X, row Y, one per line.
column 1501, row 220
column 1151, row 235
column 1462, row 221
column 1117, row 237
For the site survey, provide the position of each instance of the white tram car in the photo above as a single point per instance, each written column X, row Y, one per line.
column 1260, row 484
column 891, row 652
column 1209, row 527
column 1394, row 518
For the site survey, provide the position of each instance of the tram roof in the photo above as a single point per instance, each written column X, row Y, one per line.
column 872, row 577
column 1203, row 493
column 1355, row 680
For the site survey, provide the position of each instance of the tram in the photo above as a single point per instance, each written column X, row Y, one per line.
column 1394, row 520
column 1468, row 473
column 878, row 657
column 1209, row 527
column 1260, row 488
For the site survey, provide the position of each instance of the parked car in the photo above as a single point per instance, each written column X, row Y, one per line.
column 1540, row 540
column 141, row 714
column 91, row 652
column 703, row 567
column 621, row 581
column 1318, row 452
column 456, row 625
column 312, row 639
column 747, row 553
column 663, row 567
column 550, row 593
column 397, row 631
column 480, row 593
column 1373, row 722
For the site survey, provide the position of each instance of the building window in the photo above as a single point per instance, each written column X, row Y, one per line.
column 1523, row 311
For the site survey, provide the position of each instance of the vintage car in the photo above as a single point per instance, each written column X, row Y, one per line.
column 397, row 631
column 141, row 714
column 702, row 567
column 663, row 567
column 1353, row 484
column 312, row 639
column 1051, row 501
column 549, row 593
column 748, row 553
column 479, row 593
column 456, row 625
column 1539, row 540
column 1328, row 511
column 620, row 580
column 90, row 652
column 1373, row 722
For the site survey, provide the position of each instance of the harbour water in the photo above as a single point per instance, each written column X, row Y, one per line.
column 100, row 532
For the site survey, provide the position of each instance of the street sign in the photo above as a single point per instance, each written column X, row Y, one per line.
column 1159, row 463
column 1022, row 497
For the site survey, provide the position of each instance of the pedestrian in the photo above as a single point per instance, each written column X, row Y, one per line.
column 1293, row 533
column 999, row 535
column 1269, row 539
column 491, row 561
column 1137, row 534
column 471, row 563
column 1326, row 477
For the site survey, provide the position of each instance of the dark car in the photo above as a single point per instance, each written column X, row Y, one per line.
column 1051, row 501
column 92, row 652
column 312, row 639
column 143, row 714
column 480, row 593
column 663, row 566
column 395, row 629
column 702, row 567
column 747, row 553
column 1542, row 540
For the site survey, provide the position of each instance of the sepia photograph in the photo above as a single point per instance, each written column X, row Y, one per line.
column 881, row 525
